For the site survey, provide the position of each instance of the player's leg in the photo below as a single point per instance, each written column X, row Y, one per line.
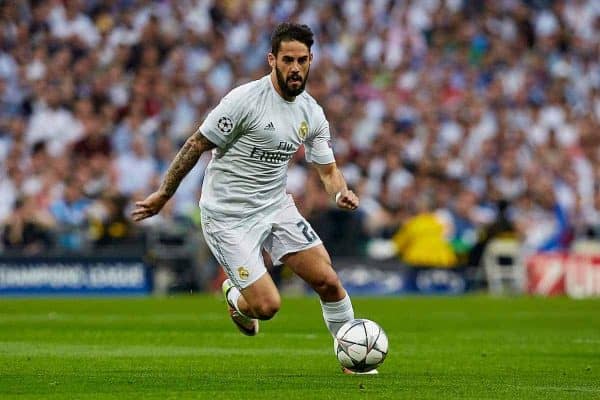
column 249, row 290
column 259, row 300
column 313, row 265
column 248, row 326
column 293, row 242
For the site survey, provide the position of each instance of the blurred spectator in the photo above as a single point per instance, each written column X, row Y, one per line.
column 422, row 241
column 70, row 213
column 592, row 218
column 27, row 230
column 93, row 142
column 108, row 224
column 465, row 226
column 72, row 25
column 52, row 123
column 541, row 220
column 136, row 169
column 101, row 177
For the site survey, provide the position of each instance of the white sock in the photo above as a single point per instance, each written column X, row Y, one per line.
column 337, row 313
column 233, row 295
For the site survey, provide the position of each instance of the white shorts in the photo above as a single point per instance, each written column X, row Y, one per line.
column 236, row 243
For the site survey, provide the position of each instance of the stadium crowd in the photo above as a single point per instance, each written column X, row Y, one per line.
column 454, row 120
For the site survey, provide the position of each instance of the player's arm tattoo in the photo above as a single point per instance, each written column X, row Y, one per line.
column 184, row 161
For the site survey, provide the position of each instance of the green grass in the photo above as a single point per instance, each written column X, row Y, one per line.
column 186, row 347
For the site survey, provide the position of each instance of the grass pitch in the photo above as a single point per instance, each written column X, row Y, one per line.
column 186, row 347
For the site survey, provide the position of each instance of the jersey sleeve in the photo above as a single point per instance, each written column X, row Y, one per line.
column 318, row 144
column 226, row 121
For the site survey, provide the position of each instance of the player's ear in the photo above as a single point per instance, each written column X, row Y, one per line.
column 271, row 59
column 310, row 57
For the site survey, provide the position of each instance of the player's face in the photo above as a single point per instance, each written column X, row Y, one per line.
column 291, row 66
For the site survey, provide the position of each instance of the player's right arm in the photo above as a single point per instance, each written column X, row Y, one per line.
column 220, row 127
column 182, row 164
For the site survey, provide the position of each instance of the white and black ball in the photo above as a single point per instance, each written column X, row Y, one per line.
column 361, row 345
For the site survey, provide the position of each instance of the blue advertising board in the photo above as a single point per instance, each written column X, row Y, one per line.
column 76, row 275
column 377, row 279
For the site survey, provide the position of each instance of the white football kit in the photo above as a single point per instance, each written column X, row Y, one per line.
column 244, row 204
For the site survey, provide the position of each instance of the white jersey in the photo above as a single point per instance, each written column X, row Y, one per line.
column 256, row 133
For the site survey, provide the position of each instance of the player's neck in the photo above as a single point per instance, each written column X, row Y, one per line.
column 278, row 88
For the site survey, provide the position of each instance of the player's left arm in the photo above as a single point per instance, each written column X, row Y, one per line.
column 336, row 187
column 319, row 152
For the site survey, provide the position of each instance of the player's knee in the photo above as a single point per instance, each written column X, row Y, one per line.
column 328, row 285
column 267, row 309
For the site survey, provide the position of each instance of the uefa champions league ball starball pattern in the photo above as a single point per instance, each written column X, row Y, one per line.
column 225, row 124
column 361, row 345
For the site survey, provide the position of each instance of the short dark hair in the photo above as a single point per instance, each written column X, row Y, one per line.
column 288, row 31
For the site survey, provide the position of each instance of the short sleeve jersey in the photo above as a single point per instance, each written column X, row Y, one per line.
column 256, row 133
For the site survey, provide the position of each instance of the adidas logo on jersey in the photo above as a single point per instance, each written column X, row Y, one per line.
column 270, row 127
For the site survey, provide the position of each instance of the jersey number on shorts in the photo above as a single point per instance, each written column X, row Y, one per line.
column 308, row 234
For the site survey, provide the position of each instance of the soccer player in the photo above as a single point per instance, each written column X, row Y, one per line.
column 253, row 133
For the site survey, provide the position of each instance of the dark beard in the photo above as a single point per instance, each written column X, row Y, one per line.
column 288, row 92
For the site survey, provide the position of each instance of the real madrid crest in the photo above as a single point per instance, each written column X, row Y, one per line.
column 243, row 273
column 303, row 130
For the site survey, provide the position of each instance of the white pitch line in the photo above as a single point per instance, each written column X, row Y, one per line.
column 154, row 318
column 108, row 351
column 559, row 388
column 587, row 341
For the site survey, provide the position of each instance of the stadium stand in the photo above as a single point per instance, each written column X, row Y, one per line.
column 490, row 109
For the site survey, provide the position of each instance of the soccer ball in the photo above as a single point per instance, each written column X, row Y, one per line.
column 361, row 345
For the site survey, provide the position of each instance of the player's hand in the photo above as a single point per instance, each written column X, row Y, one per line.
column 148, row 207
column 347, row 200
